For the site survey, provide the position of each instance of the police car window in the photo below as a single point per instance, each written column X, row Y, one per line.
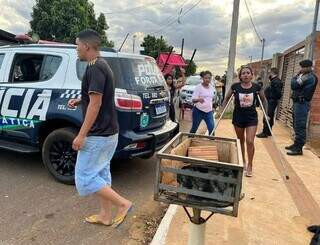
column 34, row 67
column 142, row 74
column 115, row 67
column 50, row 66
column 1, row 59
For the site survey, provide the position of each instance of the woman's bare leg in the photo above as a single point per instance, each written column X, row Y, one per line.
column 250, row 135
column 241, row 137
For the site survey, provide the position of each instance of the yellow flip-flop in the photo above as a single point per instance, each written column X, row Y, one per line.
column 93, row 219
column 120, row 218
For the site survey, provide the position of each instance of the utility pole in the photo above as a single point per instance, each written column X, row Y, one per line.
column 134, row 42
column 233, row 43
column 314, row 29
column 182, row 46
column 250, row 57
column 262, row 51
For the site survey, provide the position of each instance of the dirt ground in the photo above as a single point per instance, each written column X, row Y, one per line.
column 35, row 209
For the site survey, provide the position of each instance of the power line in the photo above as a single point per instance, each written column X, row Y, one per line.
column 125, row 11
column 252, row 15
column 253, row 25
column 172, row 17
column 175, row 20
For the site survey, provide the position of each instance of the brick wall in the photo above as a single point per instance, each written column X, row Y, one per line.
column 315, row 104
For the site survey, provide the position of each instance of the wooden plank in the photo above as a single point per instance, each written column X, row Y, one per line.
column 181, row 149
column 203, row 152
column 201, row 162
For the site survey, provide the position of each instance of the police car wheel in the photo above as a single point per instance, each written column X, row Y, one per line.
column 58, row 155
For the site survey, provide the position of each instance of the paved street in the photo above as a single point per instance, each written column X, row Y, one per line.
column 35, row 209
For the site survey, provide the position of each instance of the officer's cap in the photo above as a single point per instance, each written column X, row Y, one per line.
column 306, row 63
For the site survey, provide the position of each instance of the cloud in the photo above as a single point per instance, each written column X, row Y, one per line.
column 206, row 27
column 15, row 16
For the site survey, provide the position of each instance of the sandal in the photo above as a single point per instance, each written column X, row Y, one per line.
column 118, row 220
column 249, row 174
column 93, row 219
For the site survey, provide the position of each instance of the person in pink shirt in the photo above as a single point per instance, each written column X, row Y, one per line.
column 202, row 98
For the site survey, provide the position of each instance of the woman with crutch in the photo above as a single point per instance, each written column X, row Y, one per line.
column 245, row 116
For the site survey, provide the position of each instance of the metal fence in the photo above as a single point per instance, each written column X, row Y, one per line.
column 289, row 69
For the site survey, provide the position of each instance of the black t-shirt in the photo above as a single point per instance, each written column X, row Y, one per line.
column 98, row 78
column 172, row 93
column 245, row 98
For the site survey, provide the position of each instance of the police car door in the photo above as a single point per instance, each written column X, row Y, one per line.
column 31, row 78
column 3, row 59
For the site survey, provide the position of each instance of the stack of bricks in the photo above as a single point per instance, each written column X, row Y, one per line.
column 203, row 152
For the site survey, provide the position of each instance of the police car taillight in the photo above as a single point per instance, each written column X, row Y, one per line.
column 134, row 146
column 127, row 102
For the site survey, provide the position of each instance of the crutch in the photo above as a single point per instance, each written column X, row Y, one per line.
column 272, row 138
column 222, row 113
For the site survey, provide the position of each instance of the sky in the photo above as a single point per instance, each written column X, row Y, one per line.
column 204, row 24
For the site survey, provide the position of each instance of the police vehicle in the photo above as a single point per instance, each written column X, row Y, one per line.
column 36, row 82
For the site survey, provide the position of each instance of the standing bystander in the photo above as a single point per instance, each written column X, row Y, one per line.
column 303, row 86
column 273, row 94
column 97, row 139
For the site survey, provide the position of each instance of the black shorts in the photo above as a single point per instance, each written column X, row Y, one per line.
column 245, row 119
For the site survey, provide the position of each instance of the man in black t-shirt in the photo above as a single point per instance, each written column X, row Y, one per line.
column 273, row 93
column 98, row 137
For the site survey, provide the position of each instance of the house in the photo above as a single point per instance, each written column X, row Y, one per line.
column 7, row 38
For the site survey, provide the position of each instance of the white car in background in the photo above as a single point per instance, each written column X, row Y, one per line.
column 187, row 90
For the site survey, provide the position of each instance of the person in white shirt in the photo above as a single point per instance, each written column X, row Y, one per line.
column 202, row 98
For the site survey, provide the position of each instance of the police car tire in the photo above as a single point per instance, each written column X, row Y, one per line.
column 67, row 134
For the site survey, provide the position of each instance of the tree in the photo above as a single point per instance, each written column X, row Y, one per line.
column 62, row 20
column 152, row 46
column 191, row 69
column 102, row 26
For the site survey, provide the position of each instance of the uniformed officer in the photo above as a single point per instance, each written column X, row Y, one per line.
column 303, row 86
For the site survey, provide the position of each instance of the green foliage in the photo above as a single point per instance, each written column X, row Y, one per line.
column 191, row 69
column 152, row 46
column 102, row 26
column 62, row 20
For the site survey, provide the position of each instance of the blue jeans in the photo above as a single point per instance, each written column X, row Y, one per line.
column 198, row 116
column 300, row 115
column 92, row 171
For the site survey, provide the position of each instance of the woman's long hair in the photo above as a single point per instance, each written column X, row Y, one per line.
column 166, row 77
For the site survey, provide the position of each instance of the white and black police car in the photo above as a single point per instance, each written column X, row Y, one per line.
column 36, row 82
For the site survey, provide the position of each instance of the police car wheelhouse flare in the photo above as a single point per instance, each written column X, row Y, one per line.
column 36, row 82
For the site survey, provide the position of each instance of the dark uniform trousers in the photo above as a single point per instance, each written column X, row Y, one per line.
column 300, row 117
column 272, row 105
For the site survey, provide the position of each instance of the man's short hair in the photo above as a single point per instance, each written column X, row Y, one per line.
column 274, row 70
column 305, row 63
column 91, row 37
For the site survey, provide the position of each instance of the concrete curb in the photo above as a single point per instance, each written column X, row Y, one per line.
column 162, row 231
